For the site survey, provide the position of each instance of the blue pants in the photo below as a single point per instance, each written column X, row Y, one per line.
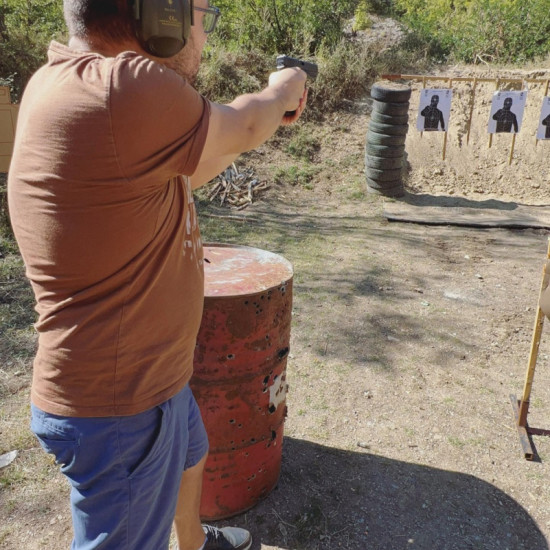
column 125, row 471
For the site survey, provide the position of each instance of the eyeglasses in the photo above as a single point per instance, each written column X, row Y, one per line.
column 210, row 18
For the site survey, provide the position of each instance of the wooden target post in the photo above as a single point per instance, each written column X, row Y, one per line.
column 423, row 87
column 520, row 408
column 497, row 82
column 514, row 139
column 471, row 110
column 447, row 126
column 545, row 94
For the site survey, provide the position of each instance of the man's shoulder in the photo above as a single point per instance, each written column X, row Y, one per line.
column 128, row 67
column 135, row 73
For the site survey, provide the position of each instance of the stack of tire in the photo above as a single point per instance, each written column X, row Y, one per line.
column 385, row 144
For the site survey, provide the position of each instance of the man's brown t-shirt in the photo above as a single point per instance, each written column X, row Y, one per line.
column 103, row 214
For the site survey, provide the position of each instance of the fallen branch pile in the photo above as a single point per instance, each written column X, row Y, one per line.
column 236, row 189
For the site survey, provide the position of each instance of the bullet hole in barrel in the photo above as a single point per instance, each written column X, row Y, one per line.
column 252, row 477
column 266, row 380
column 283, row 352
column 273, row 435
column 240, row 426
column 232, row 421
column 272, row 409
column 246, row 302
column 231, row 356
column 264, row 390
column 253, row 440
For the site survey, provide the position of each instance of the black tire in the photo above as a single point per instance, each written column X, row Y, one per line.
column 378, row 184
column 385, row 151
column 389, row 129
column 384, row 139
column 375, row 116
column 383, row 175
column 393, row 109
column 381, row 163
column 393, row 192
column 390, row 92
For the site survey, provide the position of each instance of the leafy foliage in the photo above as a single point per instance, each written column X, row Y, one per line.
column 228, row 72
column 26, row 28
column 278, row 26
column 361, row 20
column 482, row 30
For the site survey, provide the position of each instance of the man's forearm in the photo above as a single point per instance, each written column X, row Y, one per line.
column 251, row 119
column 261, row 115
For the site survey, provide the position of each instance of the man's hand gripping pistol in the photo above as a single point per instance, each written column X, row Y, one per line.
column 311, row 69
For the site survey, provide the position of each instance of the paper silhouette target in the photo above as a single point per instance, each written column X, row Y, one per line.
column 434, row 110
column 544, row 124
column 507, row 112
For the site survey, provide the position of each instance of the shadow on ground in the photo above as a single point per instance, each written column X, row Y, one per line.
column 334, row 499
column 450, row 210
column 425, row 199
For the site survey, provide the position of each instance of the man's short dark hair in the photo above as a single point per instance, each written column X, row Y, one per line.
column 110, row 19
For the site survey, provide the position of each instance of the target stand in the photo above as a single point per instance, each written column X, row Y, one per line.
column 520, row 407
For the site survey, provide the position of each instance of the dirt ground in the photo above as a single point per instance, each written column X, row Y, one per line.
column 407, row 341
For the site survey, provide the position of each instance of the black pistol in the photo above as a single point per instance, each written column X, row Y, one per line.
column 311, row 69
column 284, row 61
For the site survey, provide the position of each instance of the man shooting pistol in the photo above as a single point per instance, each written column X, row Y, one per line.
column 112, row 138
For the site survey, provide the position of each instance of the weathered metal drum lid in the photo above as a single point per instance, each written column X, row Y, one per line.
column 239, row 379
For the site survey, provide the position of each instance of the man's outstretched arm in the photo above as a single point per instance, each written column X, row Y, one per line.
column 248, row 121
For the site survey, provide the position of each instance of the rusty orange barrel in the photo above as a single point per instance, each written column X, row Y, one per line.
column 239, row 378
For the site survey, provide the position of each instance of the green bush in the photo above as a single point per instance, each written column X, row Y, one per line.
column 227, row 73
column 488, row 30
column 26, row 28
column 281, row 26
column 380, row 7
column 346, row 72
column 362, row 20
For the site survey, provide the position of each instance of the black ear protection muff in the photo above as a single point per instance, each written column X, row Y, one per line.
column 163, row 26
